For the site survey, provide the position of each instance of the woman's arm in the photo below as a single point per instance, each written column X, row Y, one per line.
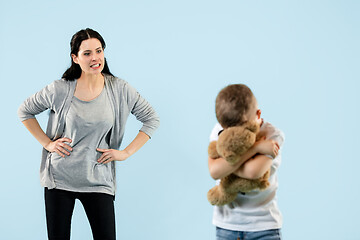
column 57, row 146
column 144, row 113
column 142, row 110
column 121, row 155
column 37, row 103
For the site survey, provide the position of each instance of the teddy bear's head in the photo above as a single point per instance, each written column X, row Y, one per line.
column 233, row 142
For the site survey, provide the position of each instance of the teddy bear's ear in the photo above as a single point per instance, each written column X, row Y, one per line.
column 252, row 126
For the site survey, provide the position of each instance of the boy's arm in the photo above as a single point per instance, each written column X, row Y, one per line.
column 254, row 168
column 220, row 168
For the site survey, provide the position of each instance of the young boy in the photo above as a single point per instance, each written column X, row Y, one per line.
column 254, row 215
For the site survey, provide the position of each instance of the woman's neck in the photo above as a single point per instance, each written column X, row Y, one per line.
column 91, row 81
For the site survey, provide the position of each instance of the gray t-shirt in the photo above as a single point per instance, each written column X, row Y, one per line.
column 88, row 124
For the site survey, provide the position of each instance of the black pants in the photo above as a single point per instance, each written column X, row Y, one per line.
column 99, row 208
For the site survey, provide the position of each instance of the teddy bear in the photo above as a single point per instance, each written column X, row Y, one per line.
column 233, row 142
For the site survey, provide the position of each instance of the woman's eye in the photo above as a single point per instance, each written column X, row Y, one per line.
column 99, row 51
column 86, row 54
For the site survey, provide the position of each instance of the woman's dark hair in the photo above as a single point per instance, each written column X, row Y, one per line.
column 74, row 71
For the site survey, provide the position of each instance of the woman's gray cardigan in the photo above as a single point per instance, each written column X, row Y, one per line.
column 57, row 97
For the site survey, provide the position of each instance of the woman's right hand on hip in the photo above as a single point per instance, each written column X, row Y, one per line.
column 59, row 146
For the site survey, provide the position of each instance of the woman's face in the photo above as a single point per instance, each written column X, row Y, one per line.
column 90, row 56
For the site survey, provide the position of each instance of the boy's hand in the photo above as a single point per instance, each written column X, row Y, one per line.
column 267, row 147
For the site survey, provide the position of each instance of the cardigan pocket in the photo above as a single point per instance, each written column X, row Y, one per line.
column 49, row 173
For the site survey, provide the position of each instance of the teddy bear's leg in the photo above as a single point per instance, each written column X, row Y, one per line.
column 229, row 183
column 247, row 185
column 214, row 194
column 241, row 185
column 217, row 196
column 264, row 180
column 235, row 184
column 230, row 197
column 212, row 150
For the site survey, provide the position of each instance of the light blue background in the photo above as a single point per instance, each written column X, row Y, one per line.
column 301, row 58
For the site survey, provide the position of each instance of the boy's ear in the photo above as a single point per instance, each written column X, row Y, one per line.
column 258, row 113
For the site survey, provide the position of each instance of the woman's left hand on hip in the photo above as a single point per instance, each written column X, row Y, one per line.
column 112, row 155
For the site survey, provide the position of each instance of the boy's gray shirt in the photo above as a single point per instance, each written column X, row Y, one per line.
column 57, row 97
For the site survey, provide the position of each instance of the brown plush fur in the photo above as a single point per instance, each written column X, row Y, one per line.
column 233, row 142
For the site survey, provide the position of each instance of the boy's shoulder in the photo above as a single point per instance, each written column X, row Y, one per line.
column 272, row 132
column 214, row 135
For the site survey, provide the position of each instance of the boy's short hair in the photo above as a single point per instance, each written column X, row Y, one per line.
column 232, row 103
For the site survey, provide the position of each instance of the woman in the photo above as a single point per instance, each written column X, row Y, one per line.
column 88, row 111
